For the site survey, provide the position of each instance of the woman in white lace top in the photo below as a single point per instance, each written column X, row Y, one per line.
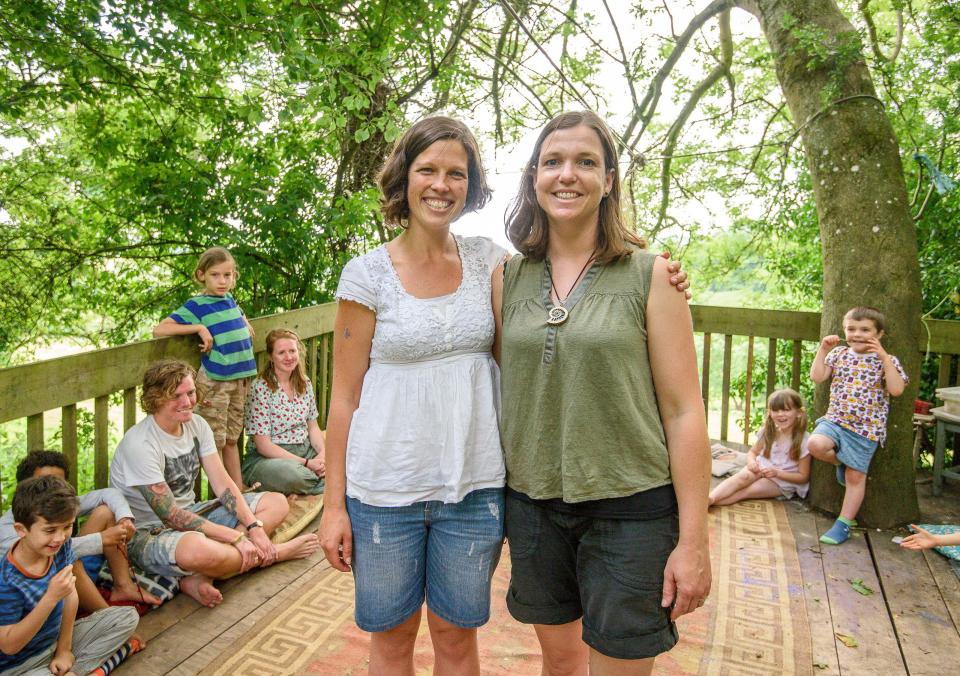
column 415, row 471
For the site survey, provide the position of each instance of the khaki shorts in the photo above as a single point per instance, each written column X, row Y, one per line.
column 222, row 406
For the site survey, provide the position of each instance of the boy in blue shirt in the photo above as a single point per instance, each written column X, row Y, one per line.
column 39, row 633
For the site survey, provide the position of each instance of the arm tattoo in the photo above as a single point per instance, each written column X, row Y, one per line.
column 346, row 333
column 229, row 502
column 161, row 501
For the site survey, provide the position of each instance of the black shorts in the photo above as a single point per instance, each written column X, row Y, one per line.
column 607, row 571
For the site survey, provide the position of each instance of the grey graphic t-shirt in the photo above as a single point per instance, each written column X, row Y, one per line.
column 148, row 455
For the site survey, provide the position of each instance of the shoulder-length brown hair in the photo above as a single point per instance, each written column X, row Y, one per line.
column 527, row 227
column 785, row 400
column 298, row 379
column 392, row 178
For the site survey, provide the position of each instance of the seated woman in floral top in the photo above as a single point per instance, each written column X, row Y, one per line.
column 286, row 451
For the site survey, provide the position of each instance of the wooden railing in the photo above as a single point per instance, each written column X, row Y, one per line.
column 798, row 332
column 31, row 390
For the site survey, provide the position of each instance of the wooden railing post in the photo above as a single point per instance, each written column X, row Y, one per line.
column 795, row 376
column 748, row 391
column 68, row 431
column 129, row 408
column 35, row 432
column 771, row 366
column 705, row 383
column 101, row 440
column 725, row 388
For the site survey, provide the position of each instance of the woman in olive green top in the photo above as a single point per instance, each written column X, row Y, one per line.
column 603, row 426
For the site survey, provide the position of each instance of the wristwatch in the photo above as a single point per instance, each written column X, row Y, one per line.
column 256, row 524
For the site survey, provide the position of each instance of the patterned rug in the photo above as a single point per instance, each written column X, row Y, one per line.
column 754, row 622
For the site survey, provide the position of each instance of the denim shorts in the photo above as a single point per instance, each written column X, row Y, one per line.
column 853, row 450
column 154, row 549
column 446, row 553
column 607, row 571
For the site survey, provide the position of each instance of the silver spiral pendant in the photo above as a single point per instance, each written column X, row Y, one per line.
column 557, row 315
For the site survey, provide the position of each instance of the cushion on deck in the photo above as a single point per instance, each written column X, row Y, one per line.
column 164, row 588
column 951, row 551
column 303, row 510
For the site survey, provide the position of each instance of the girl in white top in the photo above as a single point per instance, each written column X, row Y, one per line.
column 415, row 471
column 779, row 462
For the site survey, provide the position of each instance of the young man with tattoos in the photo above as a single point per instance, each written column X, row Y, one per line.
column 156, row 466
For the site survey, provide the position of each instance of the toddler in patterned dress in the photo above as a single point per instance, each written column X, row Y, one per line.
column 864, row 376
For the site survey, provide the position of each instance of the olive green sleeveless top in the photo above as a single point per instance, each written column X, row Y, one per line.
column 580, row 417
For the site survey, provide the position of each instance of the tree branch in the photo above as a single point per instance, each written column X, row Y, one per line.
column 721, row 69
column 643, row 113
column 864, row 8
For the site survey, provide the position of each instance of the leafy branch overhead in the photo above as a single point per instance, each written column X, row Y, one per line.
column 138, row 133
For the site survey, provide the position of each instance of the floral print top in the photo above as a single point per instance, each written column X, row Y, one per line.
column 276, row 416
column 858, row 395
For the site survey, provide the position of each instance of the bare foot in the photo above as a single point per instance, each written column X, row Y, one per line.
column 299, row 547
column 132, row 593
column 200, row 589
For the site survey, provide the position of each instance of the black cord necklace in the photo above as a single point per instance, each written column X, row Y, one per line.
column 558, row 314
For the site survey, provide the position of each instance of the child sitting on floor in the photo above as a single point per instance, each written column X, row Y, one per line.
column 39, row 633
column 864, row 377
column 109, row 526
column 779, row 462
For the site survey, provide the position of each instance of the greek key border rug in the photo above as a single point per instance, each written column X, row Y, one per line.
column 755, row 621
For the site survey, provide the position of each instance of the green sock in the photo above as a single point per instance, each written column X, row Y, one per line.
column 849, row 522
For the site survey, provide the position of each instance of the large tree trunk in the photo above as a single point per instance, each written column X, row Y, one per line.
column 866, row 230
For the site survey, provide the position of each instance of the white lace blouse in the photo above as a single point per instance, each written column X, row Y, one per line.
column 426, row 427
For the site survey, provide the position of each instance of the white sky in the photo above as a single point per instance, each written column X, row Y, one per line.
column 503, row 164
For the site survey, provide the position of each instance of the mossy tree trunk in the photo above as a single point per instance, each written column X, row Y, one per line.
column 866, row 229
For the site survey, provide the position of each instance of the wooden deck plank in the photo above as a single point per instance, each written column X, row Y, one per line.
column 865, row 618
column 170, row 613
column 182, row 628
column 218, row 646
column 947, row 583
column 925, row 630
column 241, row 596
column 805, row 534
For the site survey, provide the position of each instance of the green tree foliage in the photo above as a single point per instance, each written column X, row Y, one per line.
column 140, row 132
column 152, row 129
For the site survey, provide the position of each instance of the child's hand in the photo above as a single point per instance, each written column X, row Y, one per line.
column 753, row 466
column 62, row 585
column 62, row 663
column 874, row 345
column 206, row 339
column 829, row 342
column 128, row 526
column 922, row 539
column 115, row 535
column 317, row 466
column 770, row 473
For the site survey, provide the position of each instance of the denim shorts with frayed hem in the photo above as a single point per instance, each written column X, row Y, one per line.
column 155, row 549
column 446, row 553
column 607, row 571
column 852, row 450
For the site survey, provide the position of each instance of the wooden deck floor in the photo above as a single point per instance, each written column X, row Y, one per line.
column 908, row 625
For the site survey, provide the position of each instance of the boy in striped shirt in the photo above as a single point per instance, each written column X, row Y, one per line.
column 39, row 632
column 227, row 362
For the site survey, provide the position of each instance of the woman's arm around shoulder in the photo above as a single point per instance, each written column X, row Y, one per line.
column 673, row 362
column 352, row 340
